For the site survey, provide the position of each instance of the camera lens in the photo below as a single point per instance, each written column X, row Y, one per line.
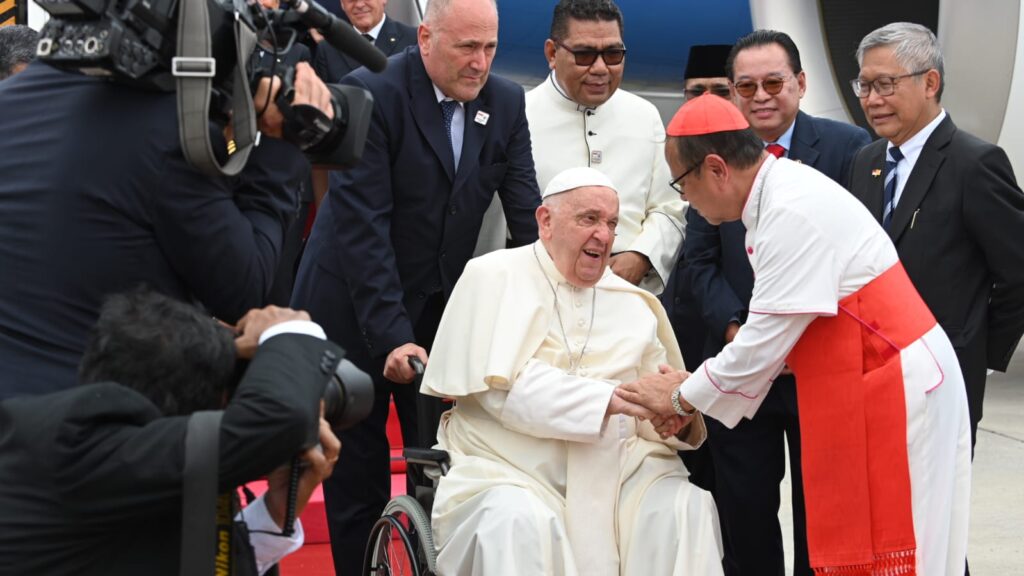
column 348, row 397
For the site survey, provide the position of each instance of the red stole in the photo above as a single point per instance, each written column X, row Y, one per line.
column 853, row 429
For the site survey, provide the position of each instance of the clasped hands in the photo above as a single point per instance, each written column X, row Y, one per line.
column 650, row 398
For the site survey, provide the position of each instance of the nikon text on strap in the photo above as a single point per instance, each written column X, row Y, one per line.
column 200, row 507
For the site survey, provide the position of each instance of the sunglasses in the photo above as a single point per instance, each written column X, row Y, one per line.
column 699, row 89
column 587, row 56
column 772, row 86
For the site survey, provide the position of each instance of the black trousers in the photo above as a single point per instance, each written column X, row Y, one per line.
column 749, row 462
column 355, row 495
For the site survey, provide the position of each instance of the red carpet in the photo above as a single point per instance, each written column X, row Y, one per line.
column 314, row 558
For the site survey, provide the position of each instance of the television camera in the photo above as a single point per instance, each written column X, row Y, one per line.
column 205, row 51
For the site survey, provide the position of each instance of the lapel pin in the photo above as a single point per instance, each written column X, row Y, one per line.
column 876, row 172
column 482, row 118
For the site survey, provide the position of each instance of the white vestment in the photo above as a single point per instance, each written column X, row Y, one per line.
column 625, row 139
column 541, row 481
column 811, row 244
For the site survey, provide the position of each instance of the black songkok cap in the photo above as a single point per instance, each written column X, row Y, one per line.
column 707, row 61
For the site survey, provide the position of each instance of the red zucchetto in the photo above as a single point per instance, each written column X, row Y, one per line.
column 706, row 114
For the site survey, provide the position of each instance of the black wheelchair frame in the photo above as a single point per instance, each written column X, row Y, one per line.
column 401, row 542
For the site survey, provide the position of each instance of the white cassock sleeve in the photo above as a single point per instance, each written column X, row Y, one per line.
column 546, row 402
column 733, row 384
column 796, row 279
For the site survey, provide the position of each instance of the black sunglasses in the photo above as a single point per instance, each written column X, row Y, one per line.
column 699, row 89
column 772, row 86
column 587, row 56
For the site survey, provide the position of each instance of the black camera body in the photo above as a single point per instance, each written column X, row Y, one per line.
column 134, row 42
column 348, row 396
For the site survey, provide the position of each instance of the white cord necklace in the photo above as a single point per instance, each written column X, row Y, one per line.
column 573, row 365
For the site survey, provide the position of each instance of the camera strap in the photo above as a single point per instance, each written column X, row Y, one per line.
column 203, row 511
column 194, row 69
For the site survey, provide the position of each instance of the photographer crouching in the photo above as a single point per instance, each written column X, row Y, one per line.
column 91, row 478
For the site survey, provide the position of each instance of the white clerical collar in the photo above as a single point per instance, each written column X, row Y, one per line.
column 752, row 209
column 375, row 31
column 547, row 265
column 569, row 102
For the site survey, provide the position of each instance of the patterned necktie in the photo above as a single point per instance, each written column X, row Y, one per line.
column 775, row 150
column 447, row 113
column 889, row 200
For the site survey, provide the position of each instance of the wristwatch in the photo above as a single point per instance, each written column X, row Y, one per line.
column 678, row 406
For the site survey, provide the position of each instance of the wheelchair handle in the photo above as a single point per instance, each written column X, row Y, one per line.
column 417, row 365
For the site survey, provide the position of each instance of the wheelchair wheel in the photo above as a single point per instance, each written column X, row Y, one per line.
column 401, row 543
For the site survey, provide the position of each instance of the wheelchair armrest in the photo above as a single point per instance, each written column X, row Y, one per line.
column 427, row 457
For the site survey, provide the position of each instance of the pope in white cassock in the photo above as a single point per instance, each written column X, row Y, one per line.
column 551, row 472
column 884, row 428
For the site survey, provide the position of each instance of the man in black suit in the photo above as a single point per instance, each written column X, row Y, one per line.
column 97, row 198
column 91, row 477
column 951, row 206
column 749, row 460
column 368, row 18
column 396, row 231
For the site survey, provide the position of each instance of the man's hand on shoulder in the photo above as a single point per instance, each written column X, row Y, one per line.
column 256, row 321
column 630, row 266
column 397, row 368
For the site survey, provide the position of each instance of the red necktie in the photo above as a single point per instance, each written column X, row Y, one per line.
column 775, row 150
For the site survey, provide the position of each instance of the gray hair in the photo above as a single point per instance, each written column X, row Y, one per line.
column 437, row 10
column 916, row 48
column 17, row 46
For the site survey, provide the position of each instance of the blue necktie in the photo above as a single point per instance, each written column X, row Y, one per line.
column 447, row 113
column 889, row 205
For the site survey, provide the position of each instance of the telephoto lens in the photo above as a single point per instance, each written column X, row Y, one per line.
column 348, row 397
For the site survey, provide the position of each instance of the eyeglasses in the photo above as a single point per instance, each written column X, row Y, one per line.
column 772, row 85
column 675, row 184
column 699, row 89
column 884, row 86
column 587, row 56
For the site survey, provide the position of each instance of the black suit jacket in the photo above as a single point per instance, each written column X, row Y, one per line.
column 91, row 477
column 958, row 229
column 721, row 277
column 97, row 198
column 402, row 224
column 332, row 65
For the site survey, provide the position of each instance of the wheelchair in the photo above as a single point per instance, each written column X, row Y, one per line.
column 401, row 543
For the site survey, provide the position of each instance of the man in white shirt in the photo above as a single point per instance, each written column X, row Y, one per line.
column 580, row 117
column 885, row 429
column 551, row 473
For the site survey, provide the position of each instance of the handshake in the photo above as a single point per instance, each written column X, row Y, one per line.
column 650, row 398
